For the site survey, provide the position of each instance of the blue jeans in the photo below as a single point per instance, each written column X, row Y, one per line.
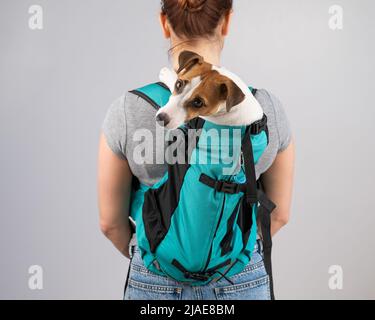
column 251, row 284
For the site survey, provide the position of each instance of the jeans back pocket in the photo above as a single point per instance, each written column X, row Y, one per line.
column 144, row 291
column 258, row 289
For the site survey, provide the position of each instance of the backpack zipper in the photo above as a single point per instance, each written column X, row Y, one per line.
column 217, row 227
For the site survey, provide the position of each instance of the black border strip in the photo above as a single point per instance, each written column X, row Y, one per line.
column 147, row 98
column 163, row 85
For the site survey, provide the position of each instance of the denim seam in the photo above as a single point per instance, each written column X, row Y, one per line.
column 238, row 287
column 154, row 288
column 253, row 267
column 198, row 293
column 269, row 288
column 249, row 268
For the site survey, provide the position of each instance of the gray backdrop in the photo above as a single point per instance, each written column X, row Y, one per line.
column 57, row 83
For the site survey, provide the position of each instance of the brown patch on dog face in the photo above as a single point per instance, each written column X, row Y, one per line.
column 213, row 90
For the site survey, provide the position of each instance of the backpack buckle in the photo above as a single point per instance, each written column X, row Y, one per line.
column 255, row 128
column 251, row 199
column 196, row 276
column 227, row 187
column 258, row 126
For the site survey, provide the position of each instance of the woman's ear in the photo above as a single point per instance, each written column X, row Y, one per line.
column 226, row 23
column 164, row 25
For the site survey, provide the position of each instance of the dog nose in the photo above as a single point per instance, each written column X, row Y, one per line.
column 163, row 119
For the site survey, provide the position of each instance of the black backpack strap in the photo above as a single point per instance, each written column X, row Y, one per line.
column 250, row 198
column 254, row 194
column 266, row 206
column 249, row 167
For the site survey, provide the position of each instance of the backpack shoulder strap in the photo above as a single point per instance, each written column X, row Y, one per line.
column 253, row 90
column 261, row 124
column 157, row 94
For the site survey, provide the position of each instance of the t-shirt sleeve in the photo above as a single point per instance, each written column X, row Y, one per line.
column 114, row 127
column 284, row 130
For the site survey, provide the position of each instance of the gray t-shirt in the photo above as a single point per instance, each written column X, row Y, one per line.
column 130, row 115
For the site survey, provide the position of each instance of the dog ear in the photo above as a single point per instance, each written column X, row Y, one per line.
column 230, row 92
column 187, row 60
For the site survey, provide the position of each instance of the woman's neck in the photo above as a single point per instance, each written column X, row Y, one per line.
column 210, row 50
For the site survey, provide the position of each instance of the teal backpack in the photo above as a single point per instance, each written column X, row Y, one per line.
column 199, row 222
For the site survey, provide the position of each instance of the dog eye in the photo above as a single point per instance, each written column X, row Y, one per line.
column 198, row 103
column 179, row 85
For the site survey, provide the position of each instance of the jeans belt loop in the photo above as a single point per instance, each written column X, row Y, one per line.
column 260, row 246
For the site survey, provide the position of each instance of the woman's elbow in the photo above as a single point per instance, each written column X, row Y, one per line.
column 281, row 217
column 106, row 229
column 112, row 227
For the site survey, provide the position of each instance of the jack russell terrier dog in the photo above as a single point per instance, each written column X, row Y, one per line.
column 200, row 89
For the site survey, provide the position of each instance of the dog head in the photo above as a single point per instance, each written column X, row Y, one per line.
column 199, row 91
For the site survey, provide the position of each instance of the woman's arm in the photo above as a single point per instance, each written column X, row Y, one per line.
column 114, row 186
column 278, row 185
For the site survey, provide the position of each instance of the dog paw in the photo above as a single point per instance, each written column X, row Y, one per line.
column 168, row 77
column 165, row 74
